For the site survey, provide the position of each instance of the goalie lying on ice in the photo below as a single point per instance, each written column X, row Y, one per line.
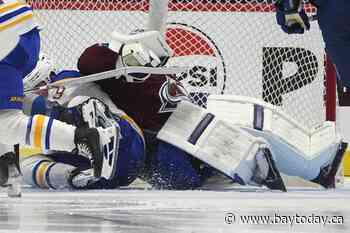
column 175, row 167
column 193, row 144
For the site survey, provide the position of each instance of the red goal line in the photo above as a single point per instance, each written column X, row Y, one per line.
column 143, row 5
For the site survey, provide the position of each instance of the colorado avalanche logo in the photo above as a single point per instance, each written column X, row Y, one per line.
column 171, row 93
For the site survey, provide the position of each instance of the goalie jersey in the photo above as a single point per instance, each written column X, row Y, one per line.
column 149, row 103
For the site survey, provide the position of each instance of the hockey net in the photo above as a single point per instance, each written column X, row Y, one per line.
column 231, row 46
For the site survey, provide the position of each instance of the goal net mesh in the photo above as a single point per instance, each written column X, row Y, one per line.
column 231, row 47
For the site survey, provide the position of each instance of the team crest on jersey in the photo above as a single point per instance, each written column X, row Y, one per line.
column 171, row 93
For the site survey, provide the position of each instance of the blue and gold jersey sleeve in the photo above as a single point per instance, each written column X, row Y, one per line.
column 16, row 15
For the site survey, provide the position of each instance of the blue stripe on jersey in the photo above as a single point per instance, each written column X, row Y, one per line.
column 14, row 13
column 29, row 129
column 48, row 132
column 34, row 170
column 47, row 175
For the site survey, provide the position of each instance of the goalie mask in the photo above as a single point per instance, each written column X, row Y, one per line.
column 41, row 74
column 140, row 48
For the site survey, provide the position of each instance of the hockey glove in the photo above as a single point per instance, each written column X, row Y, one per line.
column 136, row 54
column 291, row 16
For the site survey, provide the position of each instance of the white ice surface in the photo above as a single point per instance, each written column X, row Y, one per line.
column 150, row 211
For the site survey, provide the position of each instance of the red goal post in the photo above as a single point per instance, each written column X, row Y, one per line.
column 231, row 46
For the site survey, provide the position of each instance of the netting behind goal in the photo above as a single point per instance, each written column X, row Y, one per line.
column 232, row 46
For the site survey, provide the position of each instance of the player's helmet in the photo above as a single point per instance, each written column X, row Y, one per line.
column 41, row 74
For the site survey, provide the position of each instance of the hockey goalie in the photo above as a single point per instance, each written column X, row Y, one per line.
column 187, row 144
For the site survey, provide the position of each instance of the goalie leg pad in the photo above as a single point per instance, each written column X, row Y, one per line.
column 217, row 143
column 291, row 143
column 285, row 154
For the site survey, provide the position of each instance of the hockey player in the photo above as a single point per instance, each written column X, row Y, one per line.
column 334, row 21
column 57, row 170
column 170, row 166
column 37, row 131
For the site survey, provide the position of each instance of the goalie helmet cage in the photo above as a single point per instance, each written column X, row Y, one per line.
column 231, row 47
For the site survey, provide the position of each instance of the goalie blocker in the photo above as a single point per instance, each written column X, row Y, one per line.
column 240, row 156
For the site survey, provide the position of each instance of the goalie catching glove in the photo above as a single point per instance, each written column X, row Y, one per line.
column 291, row 16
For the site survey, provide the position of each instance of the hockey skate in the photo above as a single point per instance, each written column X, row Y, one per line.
column 79, row 179
column 267, row 173
column 99, row 137
column 327, row 176
column 87, row 141
column 10, row 174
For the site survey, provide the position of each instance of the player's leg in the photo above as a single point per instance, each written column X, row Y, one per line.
column 61, row 170
column 9, row 169
column 42, row 171
column 242, row 157
column 169, row 167
column 334, row 22
column 125, row 154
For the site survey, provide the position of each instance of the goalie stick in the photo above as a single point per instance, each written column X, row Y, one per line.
column 117, row 73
